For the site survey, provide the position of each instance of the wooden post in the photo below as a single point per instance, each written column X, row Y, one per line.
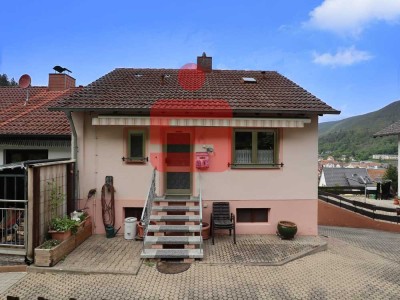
column 36, row 208
column 70, row 188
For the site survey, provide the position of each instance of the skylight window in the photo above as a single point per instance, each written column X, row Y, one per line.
column 249, row 80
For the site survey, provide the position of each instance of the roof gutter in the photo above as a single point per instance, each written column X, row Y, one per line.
column 238, row 111
column 74, row 155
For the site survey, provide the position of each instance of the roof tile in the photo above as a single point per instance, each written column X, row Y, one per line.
column 33, row 117
column 123, row 89
column 393, row 129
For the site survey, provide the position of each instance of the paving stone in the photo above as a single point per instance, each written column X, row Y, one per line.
column 344, row 271
column 11, row 260
column 386, row 244
column 101, row 255
column 257, row 249
column 9, row 279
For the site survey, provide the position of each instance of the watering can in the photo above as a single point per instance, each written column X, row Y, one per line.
column 111, row 232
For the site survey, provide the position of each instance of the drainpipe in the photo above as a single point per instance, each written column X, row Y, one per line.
column 74, row 155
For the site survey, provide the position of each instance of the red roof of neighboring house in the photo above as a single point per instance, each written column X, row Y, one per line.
column 140, row 89
column 34, row 118
column 376, row 174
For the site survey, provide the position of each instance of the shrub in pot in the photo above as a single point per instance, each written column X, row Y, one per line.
column 62, row 228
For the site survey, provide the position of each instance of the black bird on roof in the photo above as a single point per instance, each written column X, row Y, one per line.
column 61, row 69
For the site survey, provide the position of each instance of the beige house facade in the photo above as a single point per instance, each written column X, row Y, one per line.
column 249, row 138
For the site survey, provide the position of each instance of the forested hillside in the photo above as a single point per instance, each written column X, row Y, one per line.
column 354, row 136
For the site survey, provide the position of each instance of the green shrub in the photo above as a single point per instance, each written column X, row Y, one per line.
column 63, row 224
column 391, row 174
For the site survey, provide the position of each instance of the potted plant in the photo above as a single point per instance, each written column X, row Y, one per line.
column 62, row 228
column 80, row 216
column 140, row 229
column 286, row 229
column 205, row 231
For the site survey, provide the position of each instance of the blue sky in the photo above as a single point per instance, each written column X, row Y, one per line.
column 345, row 52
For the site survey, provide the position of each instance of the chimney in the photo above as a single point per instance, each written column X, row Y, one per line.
column 60, row 82
column 204, row 63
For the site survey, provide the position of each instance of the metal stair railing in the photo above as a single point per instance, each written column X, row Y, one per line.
column 201, row 214
column 145, row 218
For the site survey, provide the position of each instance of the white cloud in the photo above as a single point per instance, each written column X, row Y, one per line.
column 352, row 16
column 343, row 57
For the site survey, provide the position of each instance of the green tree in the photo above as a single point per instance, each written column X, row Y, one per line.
column 4, row 81
column 391, row 174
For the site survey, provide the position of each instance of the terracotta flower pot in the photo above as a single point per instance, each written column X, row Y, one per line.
column 396, row 201
column 140, row 229
column 205, row 231
column 60, row 235
column 286, row 229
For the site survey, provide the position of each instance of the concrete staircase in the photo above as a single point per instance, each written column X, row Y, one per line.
column 174, row 231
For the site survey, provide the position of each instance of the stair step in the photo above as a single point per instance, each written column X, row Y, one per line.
column 176, row 208
column 187, row 240
column 172, row 253
column 182, row 218
column 174, row 228
column 176, row 200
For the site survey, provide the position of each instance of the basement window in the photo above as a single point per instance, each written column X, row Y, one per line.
column 252, row 215
column 135, row 212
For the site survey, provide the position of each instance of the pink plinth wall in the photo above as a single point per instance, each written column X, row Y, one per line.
column 331, row 215
column 302, row 212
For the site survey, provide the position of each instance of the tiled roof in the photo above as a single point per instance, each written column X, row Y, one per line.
column 376, row 174
column 34, row 118
column 393, row 129
column 140, row 89
column 345, row 176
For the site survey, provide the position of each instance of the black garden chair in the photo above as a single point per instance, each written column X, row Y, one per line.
column 222, row 218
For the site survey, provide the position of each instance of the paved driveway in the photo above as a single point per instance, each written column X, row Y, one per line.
column 347, row 270
column 385, row 244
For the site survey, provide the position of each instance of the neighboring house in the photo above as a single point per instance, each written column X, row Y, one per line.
column 393, row 129
column 344, row 177
column 376, row 175
column 28, row 130
column 253, row 134
column 33, row 140
column 365, row 164
column 384, row 156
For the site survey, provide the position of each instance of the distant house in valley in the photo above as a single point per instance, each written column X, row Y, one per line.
column 376, row 174
column 385, row 156
column 365, row 164
column 344, row 177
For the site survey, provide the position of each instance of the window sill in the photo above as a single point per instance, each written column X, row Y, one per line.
column 129, row 160
column 256, row 166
